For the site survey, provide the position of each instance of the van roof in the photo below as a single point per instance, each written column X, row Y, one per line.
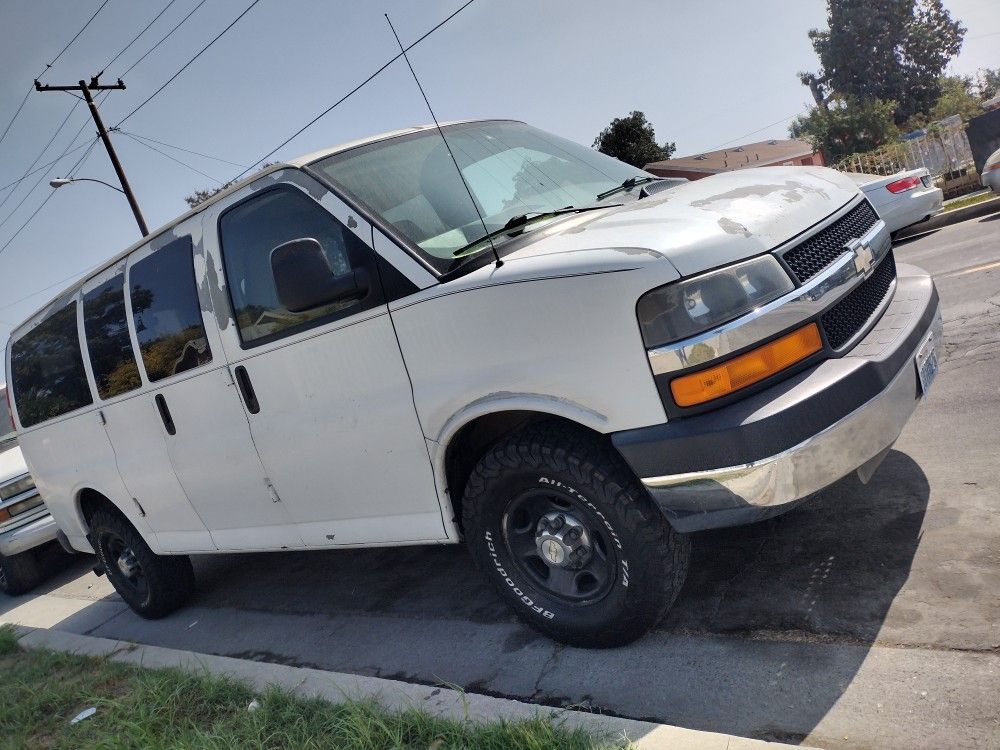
column 297, row 162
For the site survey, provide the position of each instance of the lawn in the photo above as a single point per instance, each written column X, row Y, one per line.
column 41, row 692
column 970, row 201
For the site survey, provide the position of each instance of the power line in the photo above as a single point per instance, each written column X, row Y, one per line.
column 145, row 28
column 350, row 93
column 42, row 152
column 43, row 166
column 168, row 156
column 185, row 65
column 46, row 68
column 76, row 275
column 163, row 38
column 179, row 148
column 754, row 132
column 40, row 207
column 75, row 37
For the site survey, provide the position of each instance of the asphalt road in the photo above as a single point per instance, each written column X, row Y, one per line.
column 867, row 618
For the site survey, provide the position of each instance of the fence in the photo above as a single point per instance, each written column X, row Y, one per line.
column 942, row 148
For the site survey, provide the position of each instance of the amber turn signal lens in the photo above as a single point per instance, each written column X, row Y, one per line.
column 746, row 369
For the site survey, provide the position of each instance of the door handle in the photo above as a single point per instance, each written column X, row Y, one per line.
column 168, row 421
column 246, row 388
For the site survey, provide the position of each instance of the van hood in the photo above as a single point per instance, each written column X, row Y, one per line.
column 706, row 223
column 12, row 464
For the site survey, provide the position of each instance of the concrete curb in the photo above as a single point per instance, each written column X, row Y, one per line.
column 336, row 686
column 946, row 218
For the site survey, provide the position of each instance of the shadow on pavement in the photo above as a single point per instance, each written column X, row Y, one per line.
column 738, row 652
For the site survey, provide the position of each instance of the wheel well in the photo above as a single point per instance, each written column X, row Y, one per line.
column 472, row 441
column 90, row 501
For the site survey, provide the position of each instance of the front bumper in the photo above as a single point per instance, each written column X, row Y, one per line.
column 760, row 456
column 31, row 535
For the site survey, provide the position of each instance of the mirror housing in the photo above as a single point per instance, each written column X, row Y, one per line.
column 304, row 280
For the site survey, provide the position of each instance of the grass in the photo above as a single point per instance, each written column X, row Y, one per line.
column 970, row 201
column 41, row 691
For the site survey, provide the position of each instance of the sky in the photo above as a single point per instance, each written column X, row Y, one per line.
column 707, row 74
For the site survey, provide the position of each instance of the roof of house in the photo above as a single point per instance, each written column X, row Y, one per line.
column 738, row 157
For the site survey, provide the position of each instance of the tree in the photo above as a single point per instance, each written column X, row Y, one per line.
column 847, row 126
column 891, row 50
column 200, row 196
column 988, row 82
column 631, row 139
column 958, row 97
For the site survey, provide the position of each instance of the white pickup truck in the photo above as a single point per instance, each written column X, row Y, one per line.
column 25, row 522
column 486, row 333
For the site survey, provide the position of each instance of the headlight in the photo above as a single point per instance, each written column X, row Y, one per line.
column 16, row 488
column 686, row 308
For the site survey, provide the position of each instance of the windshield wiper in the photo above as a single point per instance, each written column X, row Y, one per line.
column 630, row 183
column 516, row 224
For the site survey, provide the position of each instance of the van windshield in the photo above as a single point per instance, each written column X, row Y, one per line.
column 511, row 169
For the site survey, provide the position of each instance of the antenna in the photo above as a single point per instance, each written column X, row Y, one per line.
column 458, row 169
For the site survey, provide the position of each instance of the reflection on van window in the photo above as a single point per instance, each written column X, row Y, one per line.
column 46, row 369
column 251, row 230
column 106, row 330
column 166, row 312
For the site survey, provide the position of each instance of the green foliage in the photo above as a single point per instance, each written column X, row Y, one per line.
column 631, row 139
column 200, row 196
column 139, row 708
column 8, row 640
column 891, row 50
column 958, row 97
column 988, row 82
column 847, row 126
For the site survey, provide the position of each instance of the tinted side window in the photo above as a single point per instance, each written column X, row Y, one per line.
column 166, row 312
column 106, row 330
column 251, row 230
column 46, row 368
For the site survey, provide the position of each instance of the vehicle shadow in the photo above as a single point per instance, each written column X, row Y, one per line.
column 773, row 622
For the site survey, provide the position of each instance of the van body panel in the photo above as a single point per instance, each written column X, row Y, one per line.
column 335, row 398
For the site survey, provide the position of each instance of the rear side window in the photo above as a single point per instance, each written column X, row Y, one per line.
column 251, row 230
column 166, row 312
column 46, row 369
column 106, row 329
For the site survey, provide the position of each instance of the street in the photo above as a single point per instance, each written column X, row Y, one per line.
column 869, row 617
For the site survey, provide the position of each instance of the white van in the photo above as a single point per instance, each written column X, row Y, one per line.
column 571, row 374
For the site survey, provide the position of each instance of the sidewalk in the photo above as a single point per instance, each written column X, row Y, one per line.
column 336, row 686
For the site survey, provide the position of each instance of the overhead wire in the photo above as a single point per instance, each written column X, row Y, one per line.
column 184, row 67
column 145, row 28
column 180, row 148
column 168, row 156
column 164, row 38
column 353, row 91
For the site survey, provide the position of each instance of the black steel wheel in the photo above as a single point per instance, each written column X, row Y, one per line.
column 152, row 585
column 570, row 538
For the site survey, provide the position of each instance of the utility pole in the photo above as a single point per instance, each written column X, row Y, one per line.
column 86, row 88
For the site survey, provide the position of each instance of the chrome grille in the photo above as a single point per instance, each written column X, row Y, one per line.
column 842, row 321
column 815, row 253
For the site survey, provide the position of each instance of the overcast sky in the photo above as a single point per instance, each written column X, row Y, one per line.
column 707, row 74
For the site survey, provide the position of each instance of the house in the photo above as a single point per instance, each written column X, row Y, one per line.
column 771, row 153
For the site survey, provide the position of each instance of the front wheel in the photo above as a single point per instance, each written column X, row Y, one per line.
column 570, row 538
column 152, row 585
column 19, row 573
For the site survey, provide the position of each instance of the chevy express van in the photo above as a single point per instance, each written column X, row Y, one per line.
column 571, row 373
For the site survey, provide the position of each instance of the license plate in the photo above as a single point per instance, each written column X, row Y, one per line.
column 927, row 363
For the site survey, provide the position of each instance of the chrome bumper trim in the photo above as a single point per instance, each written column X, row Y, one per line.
column 863, row 435
column 799, row 305
column 29, row 536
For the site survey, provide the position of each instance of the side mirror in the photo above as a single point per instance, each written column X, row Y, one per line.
column 304, row 280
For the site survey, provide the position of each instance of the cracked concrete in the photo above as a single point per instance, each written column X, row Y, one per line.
column 868, row 617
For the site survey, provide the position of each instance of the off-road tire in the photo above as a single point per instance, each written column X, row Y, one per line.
column 169, row 578
column 652, row 559
column 19, row 573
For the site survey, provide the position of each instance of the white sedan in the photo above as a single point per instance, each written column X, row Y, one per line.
column 991, row 172
column 903, row 198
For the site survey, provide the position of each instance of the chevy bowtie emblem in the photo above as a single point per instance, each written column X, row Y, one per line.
column 864, row 258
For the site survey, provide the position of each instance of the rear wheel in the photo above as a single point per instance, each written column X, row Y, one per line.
column 152, row 585
column 19, row 573
column 571, row 539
